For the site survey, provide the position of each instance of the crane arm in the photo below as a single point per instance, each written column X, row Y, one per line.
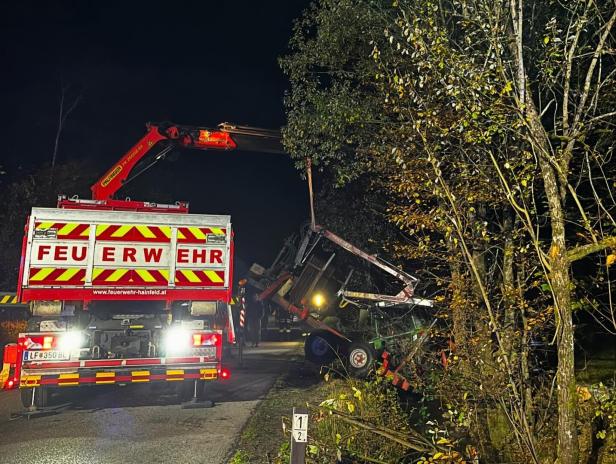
column 226, row 137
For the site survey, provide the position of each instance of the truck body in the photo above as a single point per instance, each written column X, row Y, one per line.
column 123, row 296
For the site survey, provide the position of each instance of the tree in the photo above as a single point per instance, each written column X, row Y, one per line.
column 34, row 189
column 489, row 125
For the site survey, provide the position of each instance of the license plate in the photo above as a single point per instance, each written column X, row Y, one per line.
column 46, row 355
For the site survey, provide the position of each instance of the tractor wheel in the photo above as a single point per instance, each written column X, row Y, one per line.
column 321, row 347
column 360, row 359
column 41, row 397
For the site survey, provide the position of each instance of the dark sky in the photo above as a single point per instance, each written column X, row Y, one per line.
column 196, row 63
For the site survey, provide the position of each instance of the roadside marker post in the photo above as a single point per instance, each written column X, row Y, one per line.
column 299, row 435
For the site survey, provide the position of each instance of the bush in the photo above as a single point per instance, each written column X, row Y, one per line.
column 374, row 402
column 9, row 331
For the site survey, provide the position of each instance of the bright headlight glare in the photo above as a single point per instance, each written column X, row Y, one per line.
column 177, row 340
column 69, row 341
column 318, row 300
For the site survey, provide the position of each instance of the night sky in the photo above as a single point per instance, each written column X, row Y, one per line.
column 195, row 63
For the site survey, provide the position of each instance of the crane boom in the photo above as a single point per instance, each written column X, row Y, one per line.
column 226, row 137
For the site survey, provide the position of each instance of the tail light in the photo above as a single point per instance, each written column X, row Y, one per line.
column 68, row 341
column 9, row 376
column 37, row 342
column 207, row 339
column 225, row 373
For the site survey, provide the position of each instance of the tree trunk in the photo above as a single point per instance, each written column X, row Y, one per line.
column 560, row 282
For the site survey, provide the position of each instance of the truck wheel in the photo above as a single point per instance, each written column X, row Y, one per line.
column 360, row 359
column 41, row 398
column 320, row 347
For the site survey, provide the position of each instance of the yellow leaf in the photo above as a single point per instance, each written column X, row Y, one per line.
column 611, row 259
column 442, row 441
column 438, row 455
column 583, row 393
column 351, row 407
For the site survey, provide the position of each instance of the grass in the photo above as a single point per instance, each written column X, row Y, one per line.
column 262, row 440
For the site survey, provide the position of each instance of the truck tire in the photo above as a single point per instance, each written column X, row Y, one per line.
column 360, row 359
column 321, row 347
column 41, row 398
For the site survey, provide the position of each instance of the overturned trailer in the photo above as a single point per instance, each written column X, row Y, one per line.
column 357, row 327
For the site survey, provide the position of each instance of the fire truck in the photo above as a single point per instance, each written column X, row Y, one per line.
column 124, row 291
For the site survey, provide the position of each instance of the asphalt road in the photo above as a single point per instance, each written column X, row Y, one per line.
column 131, row 425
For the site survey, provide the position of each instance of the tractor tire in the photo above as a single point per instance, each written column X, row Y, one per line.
column 41, row 398
column 321, row 347
column 360, row 359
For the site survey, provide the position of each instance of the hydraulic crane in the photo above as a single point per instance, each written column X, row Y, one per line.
column 169, row 136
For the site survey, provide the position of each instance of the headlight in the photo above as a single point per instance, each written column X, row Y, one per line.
column 177, row 340
column 70, row 341
column 318, row 300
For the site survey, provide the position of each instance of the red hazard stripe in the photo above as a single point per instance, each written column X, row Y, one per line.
column 186, row 235
column 204, row 280
column 119, row 379
column 78, row 233
column 131, row 277
column 143, row 362
column 73, row 232
column 103, row 363
column 50, row 365
column 114, row 233
column 59, row 276
column 113, row 362
column 191, row 360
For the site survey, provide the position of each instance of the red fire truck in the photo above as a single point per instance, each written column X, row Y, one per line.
column 127, row 291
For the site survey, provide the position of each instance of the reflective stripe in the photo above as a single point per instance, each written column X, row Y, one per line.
column 116, row 275
column 121, row 231
column 96, row 272
column 73, row 379
column 191, row 276
column 68, row 274
column 44, row 225
column 213, row 276
column 140, row 376
column 101, row 228
column 146, row 232
column 105, row 378
column 145, row 275
column 166, row 230
column 68, row 228
column 41, row 274
column 197, row 233
column 175, row 374
column 208, row 373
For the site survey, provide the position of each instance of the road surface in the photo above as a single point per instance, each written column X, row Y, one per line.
column 129, row 425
